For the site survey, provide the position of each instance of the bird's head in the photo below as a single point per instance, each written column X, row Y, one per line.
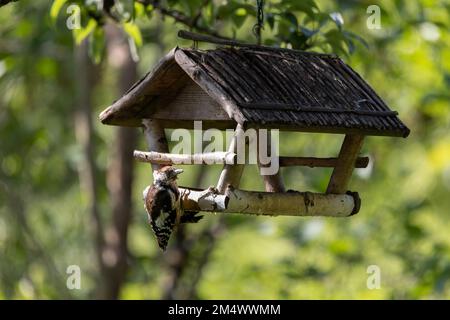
column 166, row 174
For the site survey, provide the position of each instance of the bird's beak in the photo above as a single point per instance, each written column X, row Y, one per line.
column 178, row 171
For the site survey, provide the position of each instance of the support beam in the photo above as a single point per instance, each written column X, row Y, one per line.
column 361, row 162
column 271, row 203
column 196, row 158
column 346, row 163
column 231, row 173
column 155, row 137
column 272, row 183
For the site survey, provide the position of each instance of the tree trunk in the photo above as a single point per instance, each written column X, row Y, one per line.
column 86, row 74
column 120, row 176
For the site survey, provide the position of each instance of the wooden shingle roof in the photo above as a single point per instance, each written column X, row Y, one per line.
column 266, row 87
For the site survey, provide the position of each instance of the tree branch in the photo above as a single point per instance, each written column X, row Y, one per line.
column 178, row 16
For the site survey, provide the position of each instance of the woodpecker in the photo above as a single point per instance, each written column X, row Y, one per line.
column 163, row 204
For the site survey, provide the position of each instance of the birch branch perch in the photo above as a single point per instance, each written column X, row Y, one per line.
column 202, row 200
column 231, row 174
column 196, row 158
column 230, row 158
column 292, row 203
column 271, row 203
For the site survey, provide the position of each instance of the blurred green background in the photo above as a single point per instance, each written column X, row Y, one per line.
column 70, row 194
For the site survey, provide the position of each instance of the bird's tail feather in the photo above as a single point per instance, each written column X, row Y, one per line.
column 190, row 217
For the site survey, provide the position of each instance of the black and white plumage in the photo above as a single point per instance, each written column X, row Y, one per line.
column 163, row 204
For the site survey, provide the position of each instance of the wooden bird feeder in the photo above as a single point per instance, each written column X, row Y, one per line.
column 240, row 86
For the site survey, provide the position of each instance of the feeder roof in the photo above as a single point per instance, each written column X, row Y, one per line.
column 266, row 87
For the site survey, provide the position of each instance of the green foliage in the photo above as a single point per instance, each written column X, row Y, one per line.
column 295, row 24
column 403, row 224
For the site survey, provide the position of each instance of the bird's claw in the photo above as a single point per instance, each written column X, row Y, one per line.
column 210, row 191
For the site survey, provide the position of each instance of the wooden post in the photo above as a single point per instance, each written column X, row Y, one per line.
column 346, row 162
column 231, row 173
column 272, row 183
column 156, row 138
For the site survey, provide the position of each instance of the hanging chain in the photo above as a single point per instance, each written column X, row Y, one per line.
column 260, row 20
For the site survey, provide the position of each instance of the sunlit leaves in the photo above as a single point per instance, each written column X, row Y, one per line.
column 308, row 6
column 296, row 24
column 134, row 32
column 123, row 10
column 134, row 38
column 235, row 11
column 139, row 10
column 56, row 8
column 97, row 44
column 81, row 33
column 338, row 19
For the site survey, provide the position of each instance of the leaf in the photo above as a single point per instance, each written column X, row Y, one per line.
column 298, row 41
column 56, row 8
column 139, row 10
column 308, row 32
column 97, row 45
column 133, row 32
column 350, row 45
column 306, row 6
column 190, row 7
column 291, row 18
column 124, row 9
column 82, row 33
column 241, row 12
column 239, row 17
column 321, row 18
column 353, row 36
column 149, row 11
column 337, row 18
column 336, row 40
column 226, row 10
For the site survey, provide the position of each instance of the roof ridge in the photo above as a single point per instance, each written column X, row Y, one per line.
column 233, row 44
column 261, row 48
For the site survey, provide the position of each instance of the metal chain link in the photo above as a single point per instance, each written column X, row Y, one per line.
column 260, row 20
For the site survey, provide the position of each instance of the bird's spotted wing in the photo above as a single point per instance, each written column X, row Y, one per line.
column 160, row 204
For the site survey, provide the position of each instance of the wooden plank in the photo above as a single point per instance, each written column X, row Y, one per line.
column 347, row 157
column 190, row 104
column 361, row 162
column 128, row 108
column 208, row 85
